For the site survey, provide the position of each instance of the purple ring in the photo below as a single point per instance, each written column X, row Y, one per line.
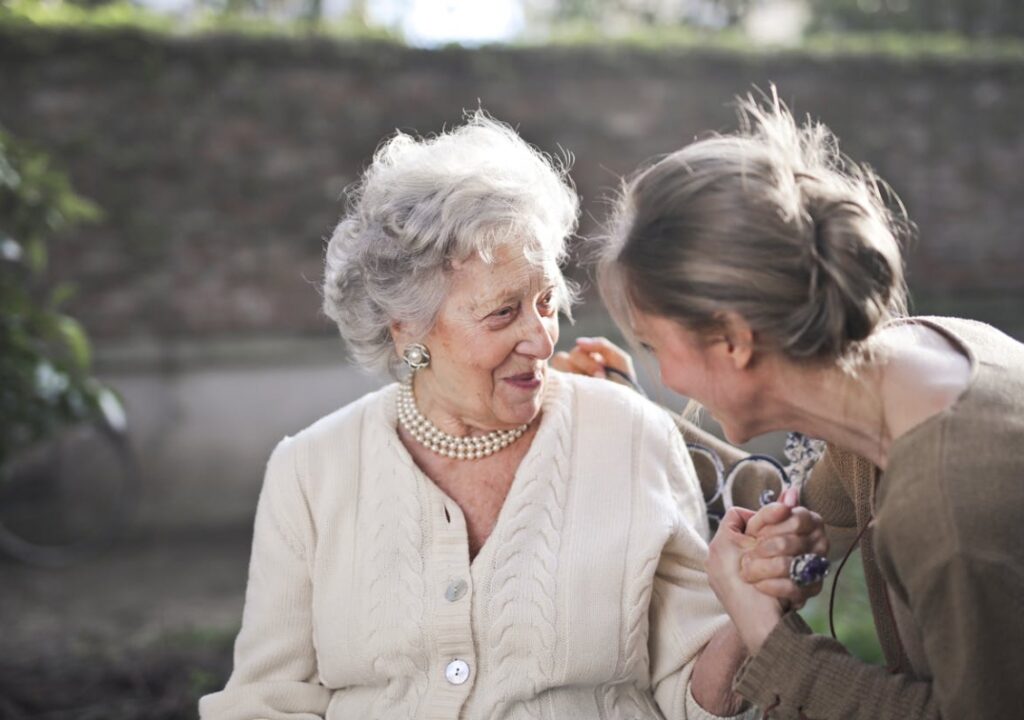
column 808, row 569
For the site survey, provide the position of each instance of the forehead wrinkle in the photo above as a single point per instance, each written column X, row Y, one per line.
column 511, row 282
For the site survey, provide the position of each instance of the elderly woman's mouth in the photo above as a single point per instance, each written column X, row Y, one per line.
column 525, row 381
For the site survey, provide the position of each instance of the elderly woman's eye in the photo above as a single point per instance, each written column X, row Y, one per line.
column 647, row 348
column 547, row 302
column 505, row 312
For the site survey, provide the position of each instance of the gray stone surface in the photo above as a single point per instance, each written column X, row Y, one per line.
column 219, row 161
column 203, row 424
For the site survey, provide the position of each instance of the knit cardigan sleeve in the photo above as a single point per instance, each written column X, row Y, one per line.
column 796, row 674
column 684, row 612
column 275, row 669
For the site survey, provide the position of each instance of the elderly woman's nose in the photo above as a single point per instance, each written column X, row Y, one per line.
column 538, row 338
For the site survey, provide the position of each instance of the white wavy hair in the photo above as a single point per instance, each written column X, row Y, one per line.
column 426, row 203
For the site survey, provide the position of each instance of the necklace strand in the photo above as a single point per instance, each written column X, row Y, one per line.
column 440, row 442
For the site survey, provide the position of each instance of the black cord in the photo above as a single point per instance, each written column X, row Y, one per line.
column 630, row 381
column 835, row 581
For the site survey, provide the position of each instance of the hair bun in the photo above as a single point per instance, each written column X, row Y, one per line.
column 851, row 278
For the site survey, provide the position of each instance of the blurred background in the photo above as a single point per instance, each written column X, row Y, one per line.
column 170, row 171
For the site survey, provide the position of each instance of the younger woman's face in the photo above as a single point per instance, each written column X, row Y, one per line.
column 702, row 367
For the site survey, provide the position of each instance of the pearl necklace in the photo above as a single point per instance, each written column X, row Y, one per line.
column 440, row 442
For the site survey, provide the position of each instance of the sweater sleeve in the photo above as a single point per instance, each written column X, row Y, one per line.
column 684, row 612
column 797, row 674
column 825, row 492
column 275, row 667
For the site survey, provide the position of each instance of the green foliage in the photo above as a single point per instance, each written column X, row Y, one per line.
column 655, row 37
column 968, row 18
column 964, row 18
column 898, row 46
column 838, row 27
column 44, row 353
column 209, row 16
column 120, row 13
column 855, row 627
column 721, row 13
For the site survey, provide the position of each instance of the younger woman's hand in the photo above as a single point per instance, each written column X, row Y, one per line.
column 591, row 356
column 782, row 531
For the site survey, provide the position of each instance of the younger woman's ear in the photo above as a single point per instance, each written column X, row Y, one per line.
column 739, row 339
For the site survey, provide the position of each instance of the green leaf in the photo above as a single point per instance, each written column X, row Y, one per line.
column 76, row 341
column 9, row 177
column 77, row 209
column 36, row 256
column 61, row 294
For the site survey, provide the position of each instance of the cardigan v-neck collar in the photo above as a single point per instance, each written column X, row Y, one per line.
column 552, row 423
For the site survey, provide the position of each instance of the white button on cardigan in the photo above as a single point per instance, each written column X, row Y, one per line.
column 457, row 672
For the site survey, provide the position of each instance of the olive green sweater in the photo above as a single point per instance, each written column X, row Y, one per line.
column 944, row 561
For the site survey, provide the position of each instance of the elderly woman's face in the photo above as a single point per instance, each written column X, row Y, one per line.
column 493, row 337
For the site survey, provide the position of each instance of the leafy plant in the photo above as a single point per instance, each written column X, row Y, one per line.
column 45, row 354
column 855, row 626
column 289, row 18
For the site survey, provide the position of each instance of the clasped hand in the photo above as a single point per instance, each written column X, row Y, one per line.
column 749, row 563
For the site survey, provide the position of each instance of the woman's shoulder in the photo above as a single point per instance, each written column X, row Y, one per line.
column 964, row 464
column 617, row 427
column 988, row 393
column 301, row 463
column 342, row 425
column 611, row 402
column 982, row 343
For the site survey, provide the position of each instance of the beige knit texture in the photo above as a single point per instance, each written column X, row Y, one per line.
column 589, row 600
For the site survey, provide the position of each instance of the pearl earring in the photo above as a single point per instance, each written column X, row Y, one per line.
column 416, row 356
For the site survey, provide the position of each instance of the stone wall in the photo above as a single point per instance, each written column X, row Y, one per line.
column 220, row 161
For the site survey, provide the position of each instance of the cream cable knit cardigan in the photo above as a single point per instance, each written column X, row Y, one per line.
column 588, row 601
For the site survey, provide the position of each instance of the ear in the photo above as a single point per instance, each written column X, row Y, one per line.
column 739, row 340
column 398, row 336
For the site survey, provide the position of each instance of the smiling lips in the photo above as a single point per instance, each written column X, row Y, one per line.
column 525, row 381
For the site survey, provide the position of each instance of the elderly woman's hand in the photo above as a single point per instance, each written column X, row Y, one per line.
column 594, row 357
column 753, row 613
column 749, row 560
column 782, row 531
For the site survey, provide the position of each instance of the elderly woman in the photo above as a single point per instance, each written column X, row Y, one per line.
column 763, row 272
column 489, row 538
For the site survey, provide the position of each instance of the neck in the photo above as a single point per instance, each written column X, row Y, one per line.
column 834, row 405
column 434, row 404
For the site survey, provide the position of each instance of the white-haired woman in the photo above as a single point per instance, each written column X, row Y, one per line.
column 488, row 539
column 763, row 271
